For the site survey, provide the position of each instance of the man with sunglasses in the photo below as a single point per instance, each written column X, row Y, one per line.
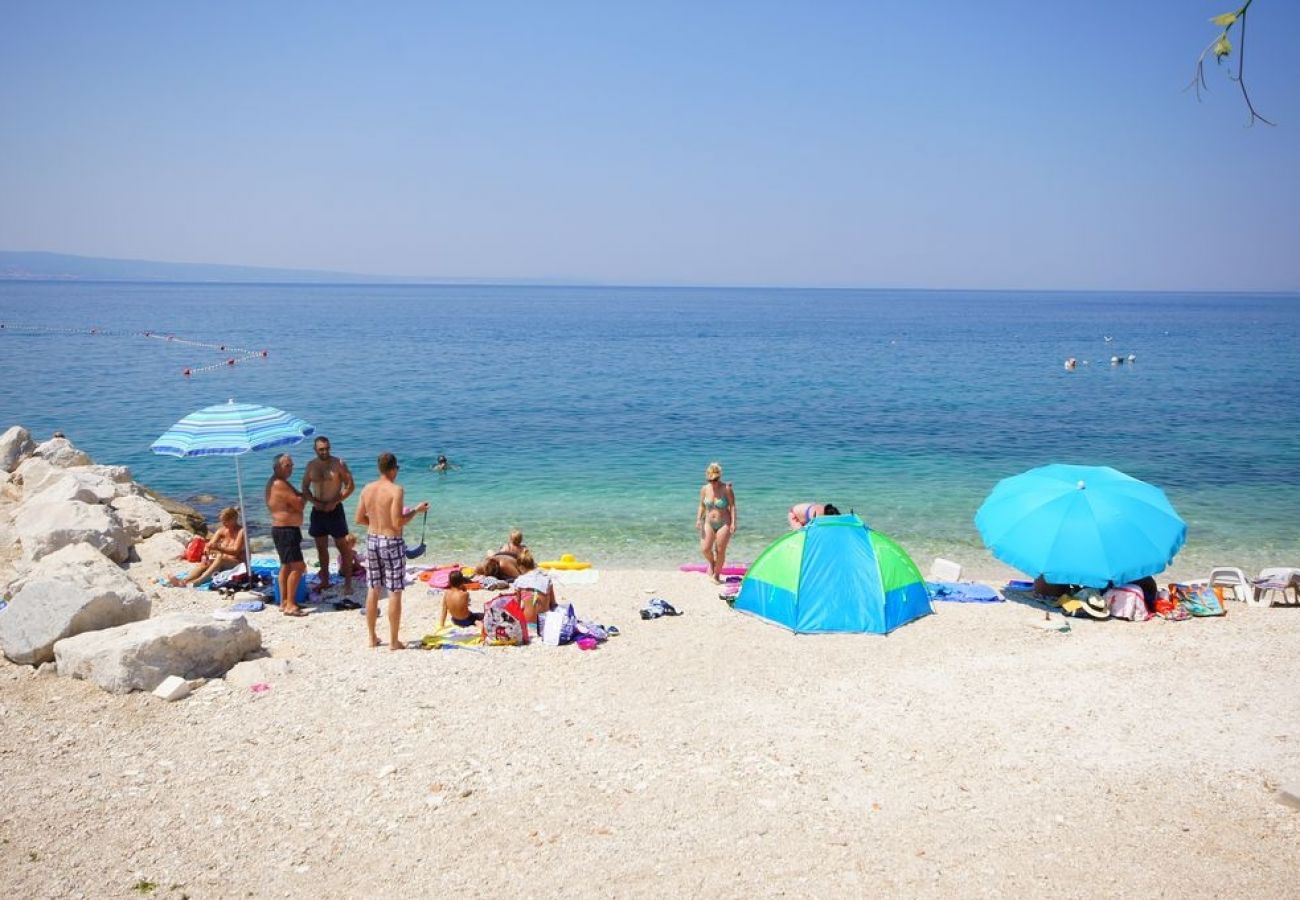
column 326, row 483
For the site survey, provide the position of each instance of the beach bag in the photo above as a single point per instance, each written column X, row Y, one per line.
column 591, row 630
column 503, row 622
column 558, row 625
column 1204, row 603
column 1126, row 602
column 195, row 549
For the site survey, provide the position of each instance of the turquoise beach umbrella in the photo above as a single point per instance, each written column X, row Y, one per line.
column 1088, row 525
column 232, row 429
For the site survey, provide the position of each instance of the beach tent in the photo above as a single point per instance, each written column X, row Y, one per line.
column 835, row 574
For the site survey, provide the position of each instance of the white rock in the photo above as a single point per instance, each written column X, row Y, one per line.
column 60, row 452
column 254, row 671
column 15, row 444
column 141, row 517
column 172, row 688
column 164, row 549
column 139, row 656
column 116, row 474
column 71, row 591
column 73, row 484
column 36, row 474
column 46, row 527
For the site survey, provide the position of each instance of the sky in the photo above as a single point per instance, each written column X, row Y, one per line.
column 928, row 144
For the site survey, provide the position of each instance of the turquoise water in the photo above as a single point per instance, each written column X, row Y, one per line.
column 586, row 416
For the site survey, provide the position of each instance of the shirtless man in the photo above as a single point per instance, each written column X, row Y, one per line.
column 285, row 504
column 326, row 483
column 381, row 511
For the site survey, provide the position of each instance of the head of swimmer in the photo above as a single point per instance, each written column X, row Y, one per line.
column 322, row 446
column 831, row 510
column 713, row 472
column 387, row 464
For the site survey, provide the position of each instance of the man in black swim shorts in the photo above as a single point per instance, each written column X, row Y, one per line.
column 326, row 483
column 285, row 504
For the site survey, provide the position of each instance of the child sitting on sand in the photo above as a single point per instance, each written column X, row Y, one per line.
column 455, row 603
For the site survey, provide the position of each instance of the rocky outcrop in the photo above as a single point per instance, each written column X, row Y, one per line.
column 141, row 517
column 163, row 550
column 35, row 475
column 75, row 484
column 71, row 591
column 59, row 451
column 140, row 656
column 45, row 527
column 183, row 515
column 15, row 445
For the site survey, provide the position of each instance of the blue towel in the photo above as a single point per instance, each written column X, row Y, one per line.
column 962, row 592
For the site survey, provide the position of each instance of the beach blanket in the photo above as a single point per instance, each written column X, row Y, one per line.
column 574, row 576
column 962, row 592
column 453, row 638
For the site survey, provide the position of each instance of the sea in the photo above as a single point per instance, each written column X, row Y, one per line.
column 585, row 416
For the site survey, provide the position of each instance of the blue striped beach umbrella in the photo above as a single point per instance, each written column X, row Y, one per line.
column 232, row 429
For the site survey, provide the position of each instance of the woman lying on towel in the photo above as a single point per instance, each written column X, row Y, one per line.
column 224, row 551
column 506, row 565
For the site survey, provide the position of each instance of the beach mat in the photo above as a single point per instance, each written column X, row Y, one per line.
column 963, row 592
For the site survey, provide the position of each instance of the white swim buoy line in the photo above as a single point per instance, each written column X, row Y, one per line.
column 240, row 354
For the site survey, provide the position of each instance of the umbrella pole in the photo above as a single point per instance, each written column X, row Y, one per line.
column 248, row 554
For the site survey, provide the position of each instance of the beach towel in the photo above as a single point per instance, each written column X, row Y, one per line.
column 449, row 638
column 962, row 592
column 575, row 576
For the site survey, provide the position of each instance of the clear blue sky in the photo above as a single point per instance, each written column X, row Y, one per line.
column 933, row 143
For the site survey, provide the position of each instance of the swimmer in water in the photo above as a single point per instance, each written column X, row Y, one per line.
column 442, row 465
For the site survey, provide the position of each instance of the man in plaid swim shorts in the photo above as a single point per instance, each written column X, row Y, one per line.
column 381, row 511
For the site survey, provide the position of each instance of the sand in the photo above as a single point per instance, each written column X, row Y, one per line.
column 711, row 754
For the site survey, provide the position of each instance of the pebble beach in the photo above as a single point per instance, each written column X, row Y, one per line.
column 970, row 753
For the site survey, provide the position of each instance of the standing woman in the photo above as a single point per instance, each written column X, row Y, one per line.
column 716, row 519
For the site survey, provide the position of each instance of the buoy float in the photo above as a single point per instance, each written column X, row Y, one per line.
column 231, row 361
column 565, row 562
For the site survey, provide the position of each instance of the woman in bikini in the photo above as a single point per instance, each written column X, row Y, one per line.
column 802, row 513
column 716, row 519
column 503, row 565
column 224, row 551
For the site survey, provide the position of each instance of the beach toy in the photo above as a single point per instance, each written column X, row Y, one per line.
column 566, row 562
column 587, row 643
column 733, row 569
column 415, row 552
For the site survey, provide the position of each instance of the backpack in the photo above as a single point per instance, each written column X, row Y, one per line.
column 195, row 549
column 504, row 623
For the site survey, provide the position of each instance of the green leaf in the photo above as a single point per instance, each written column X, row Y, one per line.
column 1224, row 20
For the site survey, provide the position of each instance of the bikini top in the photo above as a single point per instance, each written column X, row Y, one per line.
column 716, row 503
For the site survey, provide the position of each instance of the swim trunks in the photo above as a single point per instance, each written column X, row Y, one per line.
column 473, row 619
column 288, row 543
column 386, row 562
column 333, row 523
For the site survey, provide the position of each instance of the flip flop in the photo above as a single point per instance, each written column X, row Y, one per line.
column 294, row 613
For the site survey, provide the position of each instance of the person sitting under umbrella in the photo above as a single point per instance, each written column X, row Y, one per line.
column 224, row 551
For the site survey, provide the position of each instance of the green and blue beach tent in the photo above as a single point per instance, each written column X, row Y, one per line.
column 835, row 574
